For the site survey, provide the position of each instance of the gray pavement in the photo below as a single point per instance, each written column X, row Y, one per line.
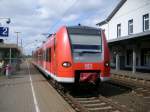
column 16, row 94
column 137, row 75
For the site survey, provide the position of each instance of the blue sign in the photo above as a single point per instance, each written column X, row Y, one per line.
column 4, row 31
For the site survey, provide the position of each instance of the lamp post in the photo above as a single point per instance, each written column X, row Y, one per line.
column 17, row 35
column 8, row 20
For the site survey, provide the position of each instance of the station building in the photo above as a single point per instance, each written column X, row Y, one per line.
column 127, row 29
column 10, row 54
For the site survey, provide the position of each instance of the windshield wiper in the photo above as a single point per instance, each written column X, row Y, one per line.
column 93, row 52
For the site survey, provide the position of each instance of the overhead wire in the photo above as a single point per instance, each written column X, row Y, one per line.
column 65, row 12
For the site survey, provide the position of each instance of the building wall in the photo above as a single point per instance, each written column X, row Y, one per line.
column 105, row 28
column 122, row 51
column 131, row 9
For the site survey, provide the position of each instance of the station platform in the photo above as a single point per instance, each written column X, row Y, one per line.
column 29, row 91
column 137, row 75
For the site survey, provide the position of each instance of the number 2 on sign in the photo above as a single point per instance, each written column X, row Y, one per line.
column 5, row 30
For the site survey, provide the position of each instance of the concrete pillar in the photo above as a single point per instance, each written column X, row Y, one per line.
column 10, row 56
column 134, row 61
column 117, row 62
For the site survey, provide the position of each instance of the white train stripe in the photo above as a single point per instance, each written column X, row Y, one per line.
column 59, row 79
column 64, row 79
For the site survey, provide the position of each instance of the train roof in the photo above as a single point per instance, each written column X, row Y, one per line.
column 83, row 30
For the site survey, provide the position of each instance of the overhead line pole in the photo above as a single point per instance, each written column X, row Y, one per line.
column 17, row 34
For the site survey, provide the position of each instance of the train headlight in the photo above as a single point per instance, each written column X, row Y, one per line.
column 66, row 64
column 107, row 64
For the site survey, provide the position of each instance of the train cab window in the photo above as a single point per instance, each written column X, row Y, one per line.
column 86, row 44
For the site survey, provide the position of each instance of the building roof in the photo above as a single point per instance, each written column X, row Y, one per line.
column 7, row 46
column 112, row 13
column 131, row 37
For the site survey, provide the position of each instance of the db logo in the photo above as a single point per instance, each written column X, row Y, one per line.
column 88, row 66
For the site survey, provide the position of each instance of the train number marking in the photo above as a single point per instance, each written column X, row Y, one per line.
column 88, row 66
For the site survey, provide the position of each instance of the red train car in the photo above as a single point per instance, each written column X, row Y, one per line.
column 75, row 54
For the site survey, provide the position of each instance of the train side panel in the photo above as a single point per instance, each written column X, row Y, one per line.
column 105, row 68
column 63, row 54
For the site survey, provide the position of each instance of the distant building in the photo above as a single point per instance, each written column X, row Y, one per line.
column 128, row 33
column 10, row 53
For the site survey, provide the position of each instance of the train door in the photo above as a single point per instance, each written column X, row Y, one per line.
column 48, row 59
column 54, row 56
column 44, row 59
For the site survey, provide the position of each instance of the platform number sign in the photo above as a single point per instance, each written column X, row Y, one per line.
column 4, row 31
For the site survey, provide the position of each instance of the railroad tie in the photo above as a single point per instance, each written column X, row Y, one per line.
column 100, row 108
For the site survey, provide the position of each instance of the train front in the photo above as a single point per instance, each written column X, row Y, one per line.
column 90, row 54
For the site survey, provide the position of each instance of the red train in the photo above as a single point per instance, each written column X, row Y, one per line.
column 75, row 54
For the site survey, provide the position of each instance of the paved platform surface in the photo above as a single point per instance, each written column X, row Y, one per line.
column 28, row 91
column 138, row 75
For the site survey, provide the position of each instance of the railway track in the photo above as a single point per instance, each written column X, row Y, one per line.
column 89, row 103
column 141, row 88
column 99, row 104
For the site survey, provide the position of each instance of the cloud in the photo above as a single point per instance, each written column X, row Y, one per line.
column 17, row 7
column 71, row 17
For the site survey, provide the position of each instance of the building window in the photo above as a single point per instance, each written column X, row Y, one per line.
column 129, row 57
column 130, row 26
column 145, row 57
column 118, row 30
column 113, row 60
column 145, row 22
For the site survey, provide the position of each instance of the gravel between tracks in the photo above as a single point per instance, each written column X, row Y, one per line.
column 134, row 99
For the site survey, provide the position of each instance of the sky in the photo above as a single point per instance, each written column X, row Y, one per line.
column 34, row 19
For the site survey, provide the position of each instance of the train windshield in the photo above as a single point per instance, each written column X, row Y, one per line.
column 91, row 43
column 86, row 47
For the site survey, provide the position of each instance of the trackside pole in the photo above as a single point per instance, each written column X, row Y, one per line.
column 7, row 70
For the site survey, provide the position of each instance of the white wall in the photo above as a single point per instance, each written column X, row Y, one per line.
column 131, row 9
column 105, row 27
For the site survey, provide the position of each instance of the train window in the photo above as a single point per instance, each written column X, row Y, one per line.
column 40, row 55
column 48, row 54
column 54, row 42
column 43, row 55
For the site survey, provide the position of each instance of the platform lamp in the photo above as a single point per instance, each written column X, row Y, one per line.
column 8, row 20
